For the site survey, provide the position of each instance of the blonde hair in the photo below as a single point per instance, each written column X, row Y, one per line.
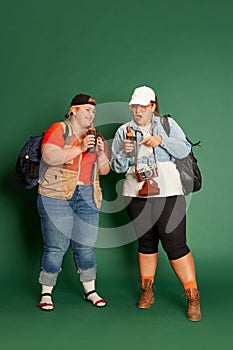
column 72, row 110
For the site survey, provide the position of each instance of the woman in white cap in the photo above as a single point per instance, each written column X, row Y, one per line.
column 153, row 191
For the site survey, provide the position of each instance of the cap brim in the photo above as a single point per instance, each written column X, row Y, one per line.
column 138, row 101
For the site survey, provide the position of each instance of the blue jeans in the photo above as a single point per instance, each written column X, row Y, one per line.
column 68, row 222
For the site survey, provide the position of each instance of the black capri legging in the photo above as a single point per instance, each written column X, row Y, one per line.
column 160, row 219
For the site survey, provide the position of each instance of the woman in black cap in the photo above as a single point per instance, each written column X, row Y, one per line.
column 69, row 197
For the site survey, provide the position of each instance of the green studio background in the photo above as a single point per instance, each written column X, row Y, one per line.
column 53, row 49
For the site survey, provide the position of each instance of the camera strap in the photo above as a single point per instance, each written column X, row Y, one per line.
column 136, row 156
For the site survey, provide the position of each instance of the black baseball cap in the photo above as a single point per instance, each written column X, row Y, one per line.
column 82, row 99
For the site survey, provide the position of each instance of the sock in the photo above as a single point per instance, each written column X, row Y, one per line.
column 190, row 284
column 148, row 278
column 94, row 297
column 47, row 299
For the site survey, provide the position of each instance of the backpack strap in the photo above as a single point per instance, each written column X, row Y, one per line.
column 198, row 143
column 165, row 123
column 67, row 130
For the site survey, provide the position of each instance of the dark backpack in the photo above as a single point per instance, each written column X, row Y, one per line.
column 28, row 162
column 190, row 173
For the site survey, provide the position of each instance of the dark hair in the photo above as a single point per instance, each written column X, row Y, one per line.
column 157, row 104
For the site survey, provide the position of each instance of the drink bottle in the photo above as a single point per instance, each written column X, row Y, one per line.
column 92, row 131
column 129, row 134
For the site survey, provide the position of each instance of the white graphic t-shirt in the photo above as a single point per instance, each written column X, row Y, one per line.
column 167, row 176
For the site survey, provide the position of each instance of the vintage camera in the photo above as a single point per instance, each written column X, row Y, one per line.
column 144, row 174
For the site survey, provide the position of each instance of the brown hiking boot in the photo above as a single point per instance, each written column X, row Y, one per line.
column 193, row 297
column 147, row 296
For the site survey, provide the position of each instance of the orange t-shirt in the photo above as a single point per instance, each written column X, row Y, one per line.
column 55, row 135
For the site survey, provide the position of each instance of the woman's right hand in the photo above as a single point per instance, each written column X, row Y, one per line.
column 88, row 142
column 128, row 146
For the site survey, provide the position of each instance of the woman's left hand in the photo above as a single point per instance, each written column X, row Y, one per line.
column 102, row 159
column 152, row 141
column 99, row 146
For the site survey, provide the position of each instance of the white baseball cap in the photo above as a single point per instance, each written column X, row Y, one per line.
column 142, row 95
